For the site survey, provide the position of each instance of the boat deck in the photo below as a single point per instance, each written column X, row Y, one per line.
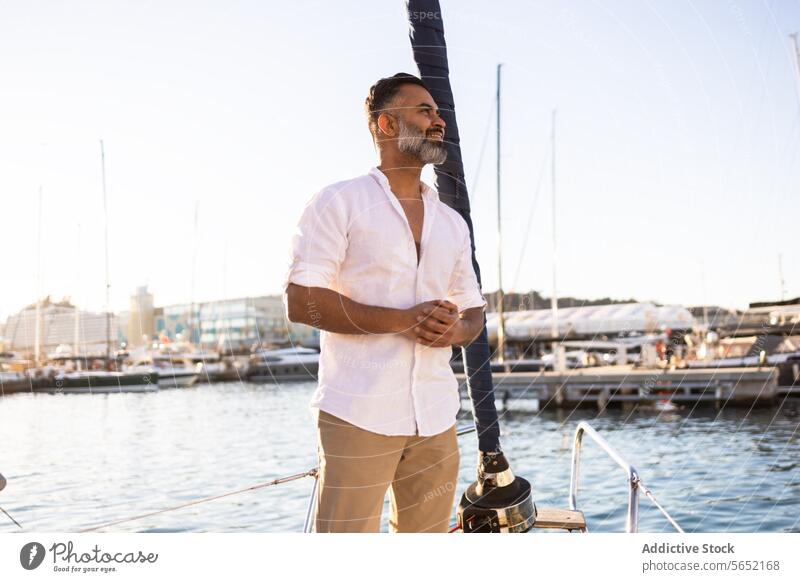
column 554, row 518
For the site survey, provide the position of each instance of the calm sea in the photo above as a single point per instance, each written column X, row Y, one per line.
column 75, row 461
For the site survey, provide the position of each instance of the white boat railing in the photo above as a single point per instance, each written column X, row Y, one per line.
column 634, row 482
column 308, row 526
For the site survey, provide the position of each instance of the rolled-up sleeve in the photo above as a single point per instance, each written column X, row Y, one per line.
column 319, row 243
column 464, row 289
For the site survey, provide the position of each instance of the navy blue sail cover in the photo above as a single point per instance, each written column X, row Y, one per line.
column 426, row 31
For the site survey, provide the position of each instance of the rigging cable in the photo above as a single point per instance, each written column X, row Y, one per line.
column 530, row 219
column 309, row 473
column 11, row 518
column 483, row 150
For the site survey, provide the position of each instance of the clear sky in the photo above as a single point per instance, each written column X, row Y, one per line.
column 678, row 137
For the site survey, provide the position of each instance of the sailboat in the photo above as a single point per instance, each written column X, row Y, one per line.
column 79, row 374
column 97, row 382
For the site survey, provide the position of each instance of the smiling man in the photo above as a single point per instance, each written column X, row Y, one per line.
column 384, row 269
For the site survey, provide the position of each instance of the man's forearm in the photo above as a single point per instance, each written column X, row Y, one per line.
column 331, row 311
column 471, row 321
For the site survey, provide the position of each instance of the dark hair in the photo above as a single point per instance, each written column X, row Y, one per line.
column 382, row 92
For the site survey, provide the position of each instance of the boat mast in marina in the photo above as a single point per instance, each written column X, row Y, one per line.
column 193, row 316
column 37, row 333
column 108, row 284
column 554, row 298
column 703, row 289
column 501, row 329
column 77, row 321
column 794, row 36
column 430, row 54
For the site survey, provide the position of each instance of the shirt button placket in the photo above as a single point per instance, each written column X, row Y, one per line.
column 417, row 346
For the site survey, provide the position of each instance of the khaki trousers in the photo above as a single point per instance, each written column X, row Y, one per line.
column 358, row 466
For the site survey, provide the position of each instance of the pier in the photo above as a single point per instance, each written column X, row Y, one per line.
column 609, row 385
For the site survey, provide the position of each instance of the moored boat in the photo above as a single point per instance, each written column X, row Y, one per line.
column 285, row 364
column 172, row 370
column 76, row 374
column 96, row 382
column 13, row 381
column 211, row 367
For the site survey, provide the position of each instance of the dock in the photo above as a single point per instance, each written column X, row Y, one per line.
column 609, row 385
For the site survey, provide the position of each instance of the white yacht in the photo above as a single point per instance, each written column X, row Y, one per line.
column 173, row 370
column 285, row 364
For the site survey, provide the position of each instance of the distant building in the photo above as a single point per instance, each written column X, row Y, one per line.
column 58, row 328
column 141, row 324
column 232, row 324
column 177, row 321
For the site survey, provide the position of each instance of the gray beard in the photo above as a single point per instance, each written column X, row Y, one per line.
column 412, row 141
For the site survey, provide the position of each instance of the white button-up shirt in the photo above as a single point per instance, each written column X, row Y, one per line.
column 354, row 238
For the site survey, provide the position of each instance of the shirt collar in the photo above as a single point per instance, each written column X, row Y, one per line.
column 427, row 191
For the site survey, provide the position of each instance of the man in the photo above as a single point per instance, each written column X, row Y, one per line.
column 384, row 269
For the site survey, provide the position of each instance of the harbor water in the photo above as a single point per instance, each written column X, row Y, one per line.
column 76, row 461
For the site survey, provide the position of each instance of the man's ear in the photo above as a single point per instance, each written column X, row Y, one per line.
column 387, row 125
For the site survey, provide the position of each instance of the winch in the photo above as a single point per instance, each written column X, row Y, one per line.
column 498, row 502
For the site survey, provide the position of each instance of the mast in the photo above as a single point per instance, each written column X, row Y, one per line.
column 194, row 271
column 37, row 333
column 77, row 322
column 426, row 33
column 501, row 327
column 793, row 36
column 108, row 284
column 703, row 284
column 225, row 312
column 554, row 298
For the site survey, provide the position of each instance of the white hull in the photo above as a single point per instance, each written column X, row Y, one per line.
column 178, row 380
column 287, row 364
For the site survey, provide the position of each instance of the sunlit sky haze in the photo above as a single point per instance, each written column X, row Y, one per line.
column 677, row 141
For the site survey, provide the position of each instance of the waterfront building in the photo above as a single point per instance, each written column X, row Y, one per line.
column 174, row 322
column 232, row 324
column 140, row 320
column 58, row 328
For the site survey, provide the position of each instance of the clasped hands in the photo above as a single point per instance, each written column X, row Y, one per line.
column 435, row 324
